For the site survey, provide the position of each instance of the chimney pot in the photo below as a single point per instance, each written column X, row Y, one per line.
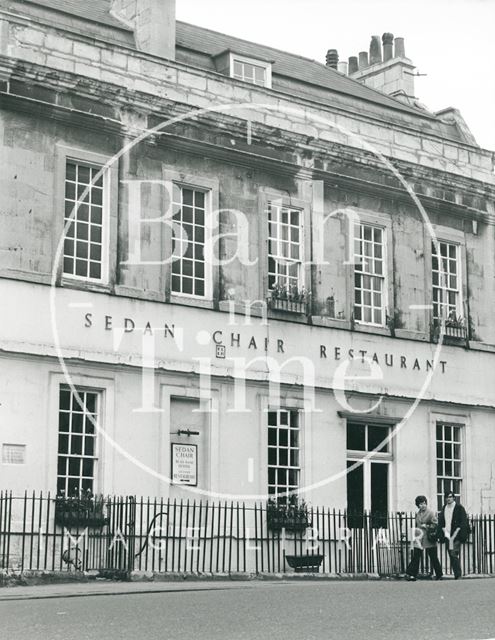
column 400, row 51
column 363, row 59
column 353, row 65
column 332, row 58
column 375, row 50
column 388, row 46
column 342, row 67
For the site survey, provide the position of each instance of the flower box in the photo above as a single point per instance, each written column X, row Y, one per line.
column 294, row 525
column 454, row 329
column 290, row 515
column 81, row 512
column 289, row 299
column 288, row 306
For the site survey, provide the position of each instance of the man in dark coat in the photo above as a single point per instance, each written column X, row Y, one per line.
column 454, row 530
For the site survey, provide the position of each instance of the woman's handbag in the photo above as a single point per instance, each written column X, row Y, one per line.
column 432, row 532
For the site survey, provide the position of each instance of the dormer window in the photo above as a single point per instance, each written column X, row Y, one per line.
column 251, row 70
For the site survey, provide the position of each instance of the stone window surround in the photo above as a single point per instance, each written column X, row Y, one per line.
column 110, row 210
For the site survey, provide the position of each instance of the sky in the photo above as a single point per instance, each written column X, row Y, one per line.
column 451, row 41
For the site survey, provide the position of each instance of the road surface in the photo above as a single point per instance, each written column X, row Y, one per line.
column 302, row 610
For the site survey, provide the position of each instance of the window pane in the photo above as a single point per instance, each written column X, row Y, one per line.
column 355, row 495
column 379, row 494
column 356, row 437
column 376, row 436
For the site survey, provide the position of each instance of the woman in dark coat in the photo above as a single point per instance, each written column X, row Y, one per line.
column 426, row 521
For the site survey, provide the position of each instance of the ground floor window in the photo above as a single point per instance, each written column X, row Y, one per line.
column 449, row 461
column 76, row 441
column 283, row 453
column 369, row 461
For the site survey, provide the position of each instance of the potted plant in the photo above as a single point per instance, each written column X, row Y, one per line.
column 289, row 513
column 82, row 509
column 453, row 326
column 283, row 297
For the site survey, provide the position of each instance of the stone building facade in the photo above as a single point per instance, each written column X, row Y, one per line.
column 220, row 268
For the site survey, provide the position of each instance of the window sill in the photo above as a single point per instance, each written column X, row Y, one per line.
column 192, row 302
column 481, row 346
column 335, row 323
column 141, row 294
column 259, row 308
column 408, row 334
column 26, row 276
column 86, row 285
column 371, row 328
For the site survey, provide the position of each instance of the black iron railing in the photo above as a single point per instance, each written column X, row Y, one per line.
column 159, row 535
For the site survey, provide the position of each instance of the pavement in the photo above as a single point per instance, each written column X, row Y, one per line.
column 169, row 583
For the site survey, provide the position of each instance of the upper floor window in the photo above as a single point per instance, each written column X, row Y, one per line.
column 284, row 248
column 85, row 221
column 251, row 70
column 446, row 281
column 76, row 441
column 189, row 236
column 369, row 274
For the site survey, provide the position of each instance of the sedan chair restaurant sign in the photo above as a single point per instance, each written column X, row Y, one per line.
column 185, row 464
column 235, row 340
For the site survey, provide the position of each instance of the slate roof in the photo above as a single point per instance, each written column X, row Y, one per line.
column 285, row 64
column 310, row 79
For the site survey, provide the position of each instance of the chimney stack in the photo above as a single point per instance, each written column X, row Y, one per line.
column 388, row 46
column 375, row 50
column 153, row 22
column 332, row 58
column 363, row 59
column 390, row 72
column 342, row 67
column 400, row 51
column 353, row 64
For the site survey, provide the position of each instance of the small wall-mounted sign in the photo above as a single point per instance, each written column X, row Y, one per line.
column 185, row 464
column 13, row 454
column 221, row 352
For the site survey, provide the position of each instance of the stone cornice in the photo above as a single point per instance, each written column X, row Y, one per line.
column 257, row 158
